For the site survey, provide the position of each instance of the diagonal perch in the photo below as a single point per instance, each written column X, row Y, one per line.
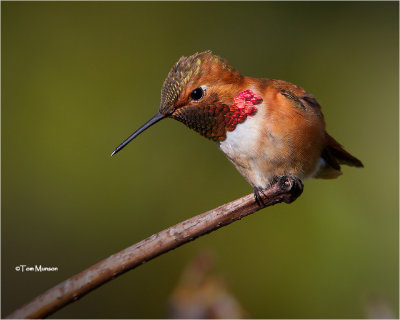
column 287, row 189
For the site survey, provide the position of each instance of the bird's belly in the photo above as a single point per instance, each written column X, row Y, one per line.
column 261, row 159
column 261, row 166
column 255, row 167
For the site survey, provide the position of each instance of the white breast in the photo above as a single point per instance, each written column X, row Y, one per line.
column 243, row 140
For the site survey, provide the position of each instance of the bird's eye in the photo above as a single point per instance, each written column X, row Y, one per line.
column 197, row 94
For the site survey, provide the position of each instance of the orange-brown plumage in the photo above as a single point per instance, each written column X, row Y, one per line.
column 267, row 128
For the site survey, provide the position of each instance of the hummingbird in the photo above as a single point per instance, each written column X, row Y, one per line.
column 268, row 129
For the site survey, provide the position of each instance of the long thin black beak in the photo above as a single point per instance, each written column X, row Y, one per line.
column 148, row 124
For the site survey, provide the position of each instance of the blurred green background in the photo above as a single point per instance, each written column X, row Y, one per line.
column 79, row 77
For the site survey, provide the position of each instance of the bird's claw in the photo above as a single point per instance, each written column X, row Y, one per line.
column 291, row 186
column 257, row 196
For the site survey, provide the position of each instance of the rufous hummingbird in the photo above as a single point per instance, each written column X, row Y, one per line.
column 267, row 128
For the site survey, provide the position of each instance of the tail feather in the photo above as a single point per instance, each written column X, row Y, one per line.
column 340, row 155
column 334, row 155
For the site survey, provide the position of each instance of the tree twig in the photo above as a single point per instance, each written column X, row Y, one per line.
column 286, row 190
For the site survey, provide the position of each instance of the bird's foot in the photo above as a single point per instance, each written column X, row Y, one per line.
column 257, row 196
column 290, row 187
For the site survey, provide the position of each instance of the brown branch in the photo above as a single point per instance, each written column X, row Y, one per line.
column 285, row 190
